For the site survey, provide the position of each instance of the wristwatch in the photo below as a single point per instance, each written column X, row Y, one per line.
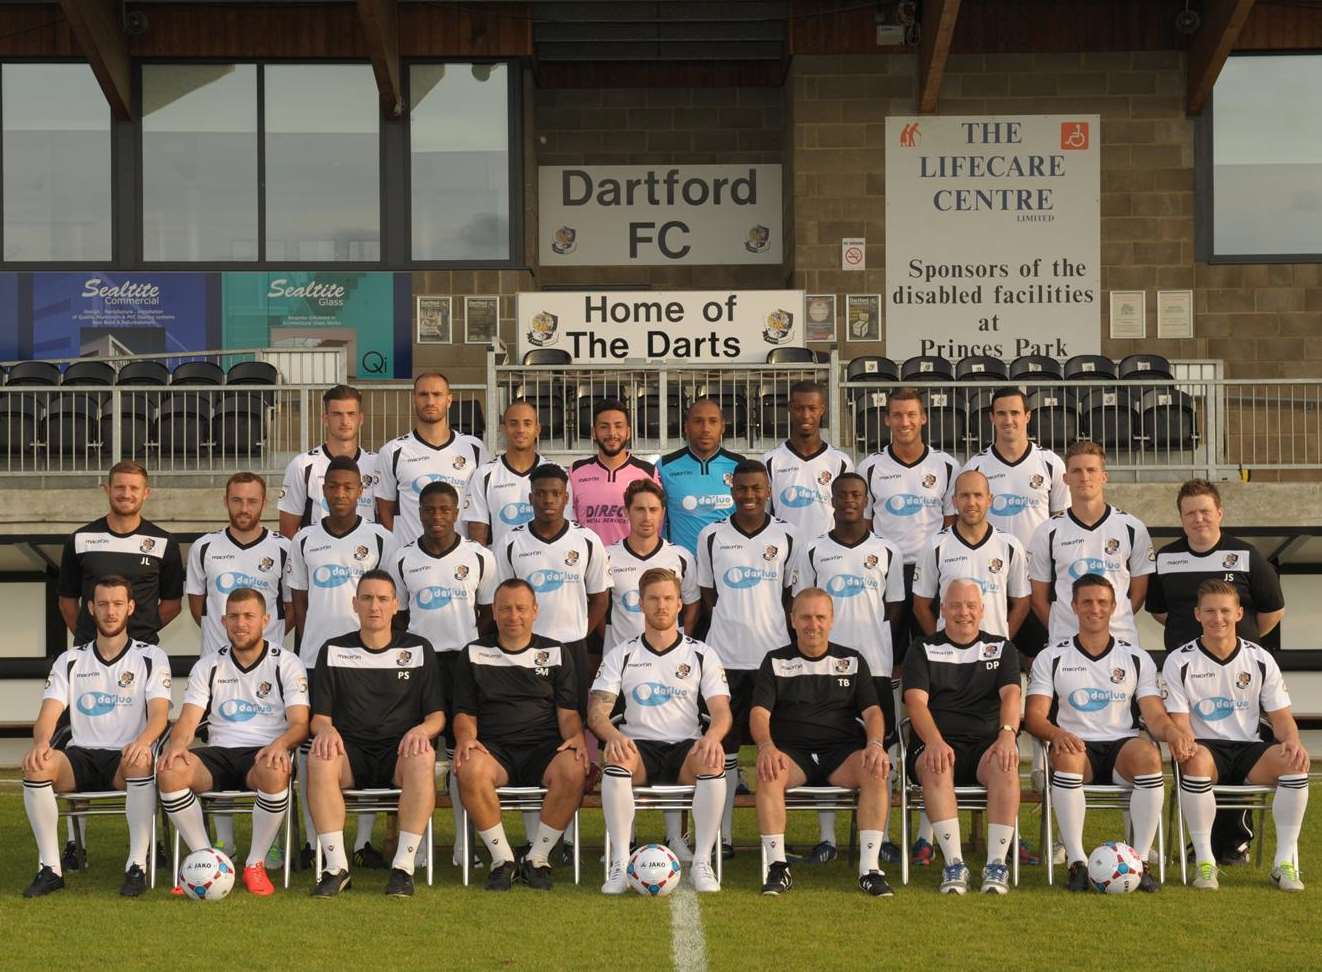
column 1006, row 727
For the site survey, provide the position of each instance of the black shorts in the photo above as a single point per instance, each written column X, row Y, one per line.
column 818, row 764
column 525, row 765
column 968, row 754
column 93, row 769
column 1029, row 640
column 447, row 661
column 662, row 760
column 228, row 767
column 584, row 673
column 906, row 628
column 1234, row 760
column 886, row 698
column 372, row 764
column 740, row 681
column 1102, row 757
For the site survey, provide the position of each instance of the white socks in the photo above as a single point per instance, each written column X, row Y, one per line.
column 363, row 837
column 925, row 828
column 1068, row 804
column 532, row 819
column 140, row 808
column 333, row 856
column 999, row 839
column 457, row 808
column 267, row 816
column 617, row 806
column 541, row 847
column 826, row 827
column 44, row 816
column 497, row 845
column 1288, row 812
column 708, row 801
column 869, row 851
column 774, row 846
column 1145, row 810
column 731, row 785
column 406, row 852
column 674, row 832
column 1199, row 812
column 946, row 833
column 186, row 815
column 304, row 804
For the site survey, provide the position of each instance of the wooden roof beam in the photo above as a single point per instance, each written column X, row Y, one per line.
column 97, row 28
column 938, row 22
column 1222, row 22
column 380, row 20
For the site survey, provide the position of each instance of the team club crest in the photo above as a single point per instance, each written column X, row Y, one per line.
column 147, row 545
column 840, row 666
column 125, row 679
column 564, row 241
column 870, row 561
column 779, row 327
column 1242, row 680
column 682, row 671
column 263, row 690
column 929, row 481
column 759, row 237
column 1036, row 481
column 542, row 658
column 265, row 564
column 461, row 572
column 571, row 558
column 1117, row 675
column 360, row 552
column 542, row 329
column 770, row 553
column 990, row 651
column 1231, row 562
column 1112, row 545
column 824, row 477
column 995, row 565
column 459, row 462
column 403, row 657
column 728, row 479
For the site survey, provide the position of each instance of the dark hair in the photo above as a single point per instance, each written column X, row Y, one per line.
column 807, row 388
column 1009, row 391
column 609, row 405
column 439, row 487
column 1091, row 580
column 341, row 393
column 514, row 584
column 345, row 464
column 376, row 574
column 643, row 486
column 906, row 394
column 245, row 477
column 127, row 467
column 1197, row 487
column 849, row 477
column 244, row 594
column 519, row 403
column 1214, row 586
column 548, row 470
column 113, row 580
column 705, row 400
column 746, row 466
column 430, row 374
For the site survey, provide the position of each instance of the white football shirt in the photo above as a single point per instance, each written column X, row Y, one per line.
column 563, row 571
column 406, row 464
column 442, row 594
column 328, row 566
column 497, row 495
column 801, row 487
column 861, row 579
column 661, row 687
column 626, row 567
column 1024, row 493
column 1224, row 699
column 1097, row 698
column 107, row 703
column 1064, row 549
column 997, row 562
column 749, row 573
column 219, row 564
column 247, row 707
column 302, row 492
column 908, row 500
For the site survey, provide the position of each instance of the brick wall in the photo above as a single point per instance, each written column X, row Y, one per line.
column 1257, row 318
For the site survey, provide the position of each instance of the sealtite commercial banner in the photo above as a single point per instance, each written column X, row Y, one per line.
column 663, row 215
column 993, row 235
column 99, row 311
column 708, row 327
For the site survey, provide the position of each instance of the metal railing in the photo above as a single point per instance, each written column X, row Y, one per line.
column 311, row 365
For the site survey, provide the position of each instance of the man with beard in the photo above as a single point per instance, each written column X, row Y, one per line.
column 597, row 483
column 697, row 477
column 117, row 691
column 430, row 453
column 497, row 499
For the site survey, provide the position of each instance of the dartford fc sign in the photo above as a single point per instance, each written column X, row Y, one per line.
column 689, row 326
column 620, row 215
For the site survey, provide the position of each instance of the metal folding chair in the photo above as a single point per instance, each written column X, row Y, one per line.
column 369, row 801
column 1096, row 796
column 226, row 803
column 104, row 803
column 819, row 798
column 661, row 797
column 517, row 799
column 1244, row 797
column 973, row 798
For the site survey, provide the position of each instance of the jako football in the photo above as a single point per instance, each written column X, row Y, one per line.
column 653, row 870
column 206, row 875
column 1114, row 868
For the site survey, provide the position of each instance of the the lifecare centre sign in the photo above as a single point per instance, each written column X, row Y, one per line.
column 660, row 215
column 993, row 236
column 694, row 326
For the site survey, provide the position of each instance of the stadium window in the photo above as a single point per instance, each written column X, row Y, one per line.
column 199, row 162
column 56, row 195
column 460, row 162
column 322, row 163
column 1266, row 150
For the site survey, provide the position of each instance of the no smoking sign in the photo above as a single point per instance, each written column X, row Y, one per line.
column 853, row 253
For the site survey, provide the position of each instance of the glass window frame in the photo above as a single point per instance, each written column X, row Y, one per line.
column 115, row 201
column 1205, row 181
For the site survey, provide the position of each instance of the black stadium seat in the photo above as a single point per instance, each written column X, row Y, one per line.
column 137, row 409
column 18, row 426
column 1038, row 367
column 73, row 425
column 647, row 412
column 870, row 429
column 978, row 407
column 1108, row 416
column 797, row 356
column 1054, row 423
column 928, row 367
column 34, row 374
column 183, row 424
column 980, row 367
column 548, row 356
column 947, row 420
column 143, row 373
column 197, row 373
column 88, row 373
column 1145, row 367
column 1089, row 367
column 238, row 426
column 253, row 373
column 870, row 368
column 466, row 416
column 1167, row 418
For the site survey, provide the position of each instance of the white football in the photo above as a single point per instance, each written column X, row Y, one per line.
column 206, row 875
column 1115, row 868
column 653, row 870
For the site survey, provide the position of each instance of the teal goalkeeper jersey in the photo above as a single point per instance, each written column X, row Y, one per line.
column 697, row 493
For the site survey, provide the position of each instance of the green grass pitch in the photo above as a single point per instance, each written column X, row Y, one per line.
column 824, row 923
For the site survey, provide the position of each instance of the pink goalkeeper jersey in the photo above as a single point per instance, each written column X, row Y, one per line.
column 599, row 495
